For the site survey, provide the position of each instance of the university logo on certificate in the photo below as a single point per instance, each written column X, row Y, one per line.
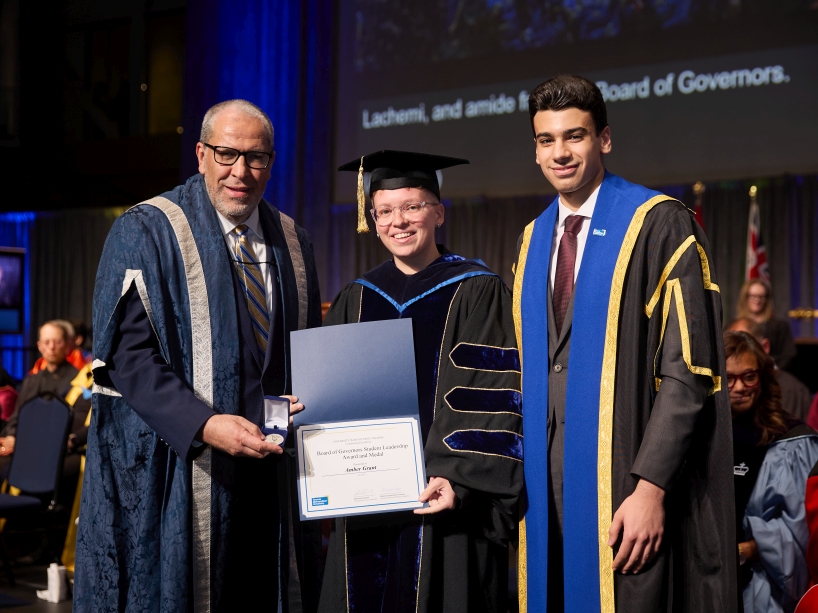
column 358, row 440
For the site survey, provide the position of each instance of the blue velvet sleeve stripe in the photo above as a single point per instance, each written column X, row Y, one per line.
column 477, row 400
column 487, row 442
column 485, row 357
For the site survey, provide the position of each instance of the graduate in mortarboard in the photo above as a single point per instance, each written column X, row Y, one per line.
column 451, row 556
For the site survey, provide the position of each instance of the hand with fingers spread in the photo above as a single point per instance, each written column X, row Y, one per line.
column 439, row 494
column 641, row 521
column 295, row 406
column 237, row 436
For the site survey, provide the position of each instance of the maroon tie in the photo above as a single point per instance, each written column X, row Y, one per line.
column 566, row 258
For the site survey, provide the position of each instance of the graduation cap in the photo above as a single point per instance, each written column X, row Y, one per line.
column 395, row 170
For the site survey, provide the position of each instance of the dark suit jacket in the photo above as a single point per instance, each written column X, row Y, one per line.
column 559, row 347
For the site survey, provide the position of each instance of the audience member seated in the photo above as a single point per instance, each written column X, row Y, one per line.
column 755, row 301
column 773, row 454
column 75, row 354
column 795, row 396
column 59, row 378
column 80, row 338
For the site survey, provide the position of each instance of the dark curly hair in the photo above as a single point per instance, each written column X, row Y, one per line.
column 770, row 417
column 566, row 92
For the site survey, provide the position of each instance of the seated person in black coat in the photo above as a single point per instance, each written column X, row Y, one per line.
column 56, row 378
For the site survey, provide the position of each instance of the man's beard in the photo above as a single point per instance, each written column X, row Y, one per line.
column 233, row 208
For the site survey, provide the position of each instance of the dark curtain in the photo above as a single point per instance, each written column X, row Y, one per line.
column 277, row 54
column 65, row 253
column 488, row 229
column 64, row 247
column 62, row 255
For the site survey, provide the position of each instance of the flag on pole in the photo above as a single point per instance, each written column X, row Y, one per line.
column 698, row 190
column 756, row 262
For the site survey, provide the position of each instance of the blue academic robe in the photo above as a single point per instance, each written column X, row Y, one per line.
column 644, row 400
column 776, row 518
column 166, row 523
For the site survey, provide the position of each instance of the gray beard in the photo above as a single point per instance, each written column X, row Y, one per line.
column 233, row 211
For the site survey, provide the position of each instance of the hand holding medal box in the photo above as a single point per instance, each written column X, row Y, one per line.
column 276, row 419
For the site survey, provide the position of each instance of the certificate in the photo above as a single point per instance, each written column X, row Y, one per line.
column 358, row 467
column 358, row 444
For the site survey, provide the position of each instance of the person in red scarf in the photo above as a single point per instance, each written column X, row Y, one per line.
column 77, row 357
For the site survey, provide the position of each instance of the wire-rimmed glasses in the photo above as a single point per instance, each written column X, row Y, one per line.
column 411, row 210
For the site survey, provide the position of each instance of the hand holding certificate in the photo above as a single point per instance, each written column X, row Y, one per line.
column 359, row 445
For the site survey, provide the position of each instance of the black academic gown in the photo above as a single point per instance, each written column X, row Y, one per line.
column 469, row 400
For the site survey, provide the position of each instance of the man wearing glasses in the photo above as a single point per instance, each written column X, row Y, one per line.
column 187, row 504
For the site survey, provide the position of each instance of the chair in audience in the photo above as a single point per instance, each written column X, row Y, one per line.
column 36, row 464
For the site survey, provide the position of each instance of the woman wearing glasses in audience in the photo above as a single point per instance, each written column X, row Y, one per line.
column 773, row 453
column 451, row 556
column 755, row 301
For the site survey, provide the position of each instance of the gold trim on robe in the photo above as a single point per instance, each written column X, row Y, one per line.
column 519, row 273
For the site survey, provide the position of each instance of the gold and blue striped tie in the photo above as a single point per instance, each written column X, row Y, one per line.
column 254, row 289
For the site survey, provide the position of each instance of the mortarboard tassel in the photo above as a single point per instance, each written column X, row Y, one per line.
column 362, row 225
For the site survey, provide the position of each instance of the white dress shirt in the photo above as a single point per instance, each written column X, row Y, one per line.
column 586, row 211
column 256, row 238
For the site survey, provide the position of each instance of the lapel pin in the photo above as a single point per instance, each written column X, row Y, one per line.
column 598, row 232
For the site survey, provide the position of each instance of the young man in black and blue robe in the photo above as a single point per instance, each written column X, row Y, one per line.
column 627, row 421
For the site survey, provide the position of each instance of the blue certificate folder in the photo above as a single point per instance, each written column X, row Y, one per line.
column 354, row 372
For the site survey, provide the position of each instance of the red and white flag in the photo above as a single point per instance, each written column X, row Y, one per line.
column 756, row 262
column 698, row 190
column 697, row 210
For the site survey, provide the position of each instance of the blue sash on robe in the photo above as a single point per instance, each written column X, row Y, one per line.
column 616, row 204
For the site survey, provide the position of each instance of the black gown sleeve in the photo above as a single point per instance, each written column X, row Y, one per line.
column 148, row 384
column 686, row 364
column 346, row 308
column 479, row 391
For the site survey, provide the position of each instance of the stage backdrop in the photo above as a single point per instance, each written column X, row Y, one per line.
column 64, row 248
column 488, row 228
column 277, row 54
column 695, row 90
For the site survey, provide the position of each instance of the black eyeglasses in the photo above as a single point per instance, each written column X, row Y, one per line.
column 227, row 156
column 750, row 378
